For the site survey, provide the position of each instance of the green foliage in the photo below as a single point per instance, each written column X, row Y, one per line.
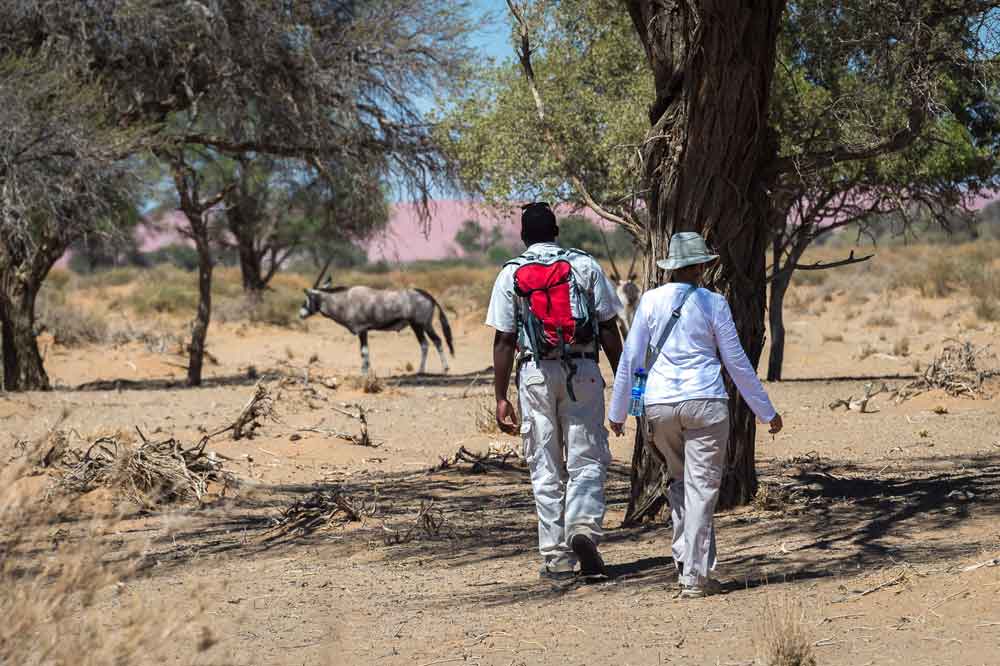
column 592, row 74
column 579, row 232
column 473, row 239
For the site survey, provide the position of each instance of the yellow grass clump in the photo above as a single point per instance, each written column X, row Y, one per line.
column 780, row 635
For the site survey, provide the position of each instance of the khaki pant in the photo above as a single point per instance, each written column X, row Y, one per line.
column 566, row 448
column 692, row 436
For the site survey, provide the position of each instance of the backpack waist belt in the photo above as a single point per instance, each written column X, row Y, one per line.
column 588, row 356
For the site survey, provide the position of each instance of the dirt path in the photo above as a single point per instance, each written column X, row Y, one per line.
column 869, row 522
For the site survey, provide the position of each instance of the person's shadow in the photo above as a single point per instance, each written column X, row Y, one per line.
column 650, row 569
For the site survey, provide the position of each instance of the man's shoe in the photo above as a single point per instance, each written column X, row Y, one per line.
column 555, row 576
column 591, row 563
column 707, row 587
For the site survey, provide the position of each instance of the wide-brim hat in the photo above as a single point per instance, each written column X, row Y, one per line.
column 687, row 248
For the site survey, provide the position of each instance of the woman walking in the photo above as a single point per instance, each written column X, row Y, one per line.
column 682, row 335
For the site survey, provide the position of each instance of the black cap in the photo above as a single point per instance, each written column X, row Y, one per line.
column 538, row 221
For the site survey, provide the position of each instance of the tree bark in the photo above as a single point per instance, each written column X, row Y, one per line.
column 706, row 165
column 776, row 359
column 251, row 262
column 23, row 369
column 199, row 331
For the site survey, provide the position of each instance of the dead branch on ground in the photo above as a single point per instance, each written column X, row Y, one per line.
column 861, row 405
column 496, row 457
column 429, row 521
column 151, row 473
column 361, row 439
column 318, row 511
column 957, row 370
column 260, row 407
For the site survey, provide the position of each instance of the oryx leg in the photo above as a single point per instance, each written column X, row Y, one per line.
column 418, row 330
column 363, row 337
column 437, row 345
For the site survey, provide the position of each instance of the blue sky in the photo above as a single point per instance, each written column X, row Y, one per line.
column 494, row 39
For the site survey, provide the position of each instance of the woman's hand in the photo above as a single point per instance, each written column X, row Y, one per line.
column 776, row 425
column 617, row 428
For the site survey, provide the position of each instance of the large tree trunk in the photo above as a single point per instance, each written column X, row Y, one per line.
column 706, row 161
column 23, row 369
column 199, row 330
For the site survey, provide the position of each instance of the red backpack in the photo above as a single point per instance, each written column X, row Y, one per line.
column 554, row 311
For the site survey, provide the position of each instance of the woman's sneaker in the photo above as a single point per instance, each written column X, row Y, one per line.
column 704, row 588
column 555, row 576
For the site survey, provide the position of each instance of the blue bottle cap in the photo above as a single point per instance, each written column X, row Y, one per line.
column 640, row 371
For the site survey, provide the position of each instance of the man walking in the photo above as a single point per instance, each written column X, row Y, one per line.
column 557, row 309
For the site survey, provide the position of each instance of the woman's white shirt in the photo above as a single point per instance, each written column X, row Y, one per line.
column 690, row 365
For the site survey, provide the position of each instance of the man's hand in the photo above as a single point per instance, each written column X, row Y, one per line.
column 776, row 425
column 617, row 428
column 506, row 417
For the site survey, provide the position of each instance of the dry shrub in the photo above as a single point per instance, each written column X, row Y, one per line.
column 987, row 309
column 369, row 383
column 920, row 313
column 164, row 296
column 149, row 474
column 809, row 278
column 961, row 369
column 883, row 320
column 780, row 635
column 866, row 350
column 114, row 277
column 835, row 337
column 60, row 581
column 71, row 326
column 901, row 347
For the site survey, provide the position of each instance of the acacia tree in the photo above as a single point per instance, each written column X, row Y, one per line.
column 326, row 82
column 62, row 177
column 274, row 208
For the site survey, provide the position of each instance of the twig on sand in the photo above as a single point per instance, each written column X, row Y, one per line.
column 988, row 563
column 899, row 578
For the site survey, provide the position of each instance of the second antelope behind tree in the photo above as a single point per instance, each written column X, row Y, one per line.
column 362, row 309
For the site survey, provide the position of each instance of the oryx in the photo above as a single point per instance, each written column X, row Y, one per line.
column 362, row 309
column 626, row 288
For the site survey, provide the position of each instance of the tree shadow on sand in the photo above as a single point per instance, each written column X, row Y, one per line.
column 821, row 518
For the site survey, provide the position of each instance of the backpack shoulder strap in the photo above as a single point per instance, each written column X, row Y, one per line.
column 654, row 352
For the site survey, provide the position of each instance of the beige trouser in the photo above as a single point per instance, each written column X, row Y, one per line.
column 566, row 448
column 692, row 436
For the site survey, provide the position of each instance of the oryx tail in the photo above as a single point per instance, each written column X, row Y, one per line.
column 442, row 319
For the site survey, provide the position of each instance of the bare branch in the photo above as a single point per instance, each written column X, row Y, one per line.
column 524, row 55
column 820, row 266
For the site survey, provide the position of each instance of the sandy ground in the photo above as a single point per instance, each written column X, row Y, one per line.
column 871, row 523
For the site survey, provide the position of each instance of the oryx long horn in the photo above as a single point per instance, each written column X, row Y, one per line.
column 631, row 267
column 322, row 273
column 614, row 269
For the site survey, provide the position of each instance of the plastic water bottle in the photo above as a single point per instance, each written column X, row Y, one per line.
column 638, row 390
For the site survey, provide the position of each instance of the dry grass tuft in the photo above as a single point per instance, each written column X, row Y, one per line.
column 71, row 326
column 884, row 320
column 369, row 383
column 64, row 599
column 835, row 337
column 486, row 420
column 780, row 635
